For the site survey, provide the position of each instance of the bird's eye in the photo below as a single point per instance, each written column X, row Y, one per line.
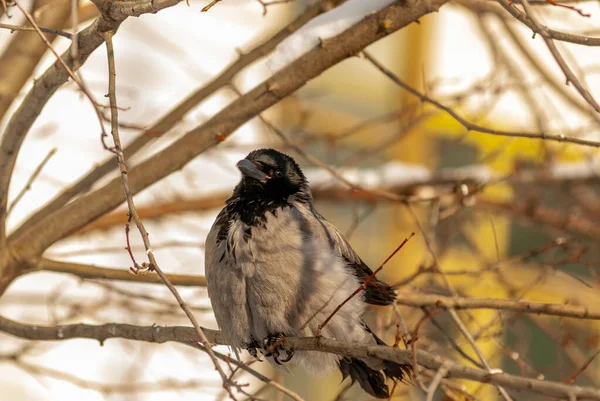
column 278, row 173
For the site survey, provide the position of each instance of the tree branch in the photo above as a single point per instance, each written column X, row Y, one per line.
column 444, row 183
column 177, row 113
column 44, row 87
column 469, row 126
column 153, row 263
column 558, row 219
column 107, row 273
column 186, row 335
column 404, row 298
column 21, row 56
column 556, row 35
column 87, row 208
column 522, row 306
column 569, row 75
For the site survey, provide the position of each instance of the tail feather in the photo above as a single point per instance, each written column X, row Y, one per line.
column 392, row 370
column 373, row 381
column 379, row 293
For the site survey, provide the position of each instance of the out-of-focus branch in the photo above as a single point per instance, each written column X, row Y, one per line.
column 31, row 106
column 123, row 387
column 176, row 114
column 158, row 210
column 407, row 299
column 556, row 35
column 85, row 12
column 108, row 273
column 87, row 208
column 514, row 71
column 228, row 384
column 570, row 76
column 30, row 181
column 539, row 214
column 15, row 28
column 546, row 75
column 469, row 126
column 520, row 306
column 25, row 50
column 186, row 335
column 445, row 184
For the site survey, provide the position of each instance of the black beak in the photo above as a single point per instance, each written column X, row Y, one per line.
column 249, row 170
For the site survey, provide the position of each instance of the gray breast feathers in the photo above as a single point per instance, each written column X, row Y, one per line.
column 284, row 277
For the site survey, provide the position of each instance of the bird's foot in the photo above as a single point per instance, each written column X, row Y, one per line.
column 252, row 348
column 272, row 345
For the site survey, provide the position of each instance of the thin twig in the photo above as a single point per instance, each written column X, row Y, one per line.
column 114, row 274
column 363, row 286
column 467, row 124
column 451, row 311
column 543, row 31
column 13, row 28
column 170, row 119
column 414, row 337
column 134, row 215
column 583, row 367
column 209, row 5
column 556, row 35
column 30, row 181
column 69, row 71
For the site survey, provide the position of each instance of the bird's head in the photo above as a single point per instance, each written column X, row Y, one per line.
column 271, row 175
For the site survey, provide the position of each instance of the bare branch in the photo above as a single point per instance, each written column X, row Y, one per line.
column 519, row 306
column 407, row 299
column 556, row 35
column 153, row 266
column 363, row 286
column 178, row 112
column 107, row 273
column 87, row 208
column 18, row 60
column 30, row 181
column 474, row 127
column 185, row 335
column 543, row 31
column 549, row 217
column 14, row 28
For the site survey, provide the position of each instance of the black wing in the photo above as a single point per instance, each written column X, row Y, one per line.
column 377, row 292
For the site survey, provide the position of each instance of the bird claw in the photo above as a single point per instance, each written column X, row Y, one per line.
column 252, row 349
column 290, row 354
column 272, row 346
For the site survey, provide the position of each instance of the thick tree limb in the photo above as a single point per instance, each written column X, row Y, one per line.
column 177, row 113
column 23, row 118
column 44, row 87
column 121, row 10
column 157, row 334
column 87, row 208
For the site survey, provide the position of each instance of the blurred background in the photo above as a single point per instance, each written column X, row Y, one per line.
column 501, row 217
